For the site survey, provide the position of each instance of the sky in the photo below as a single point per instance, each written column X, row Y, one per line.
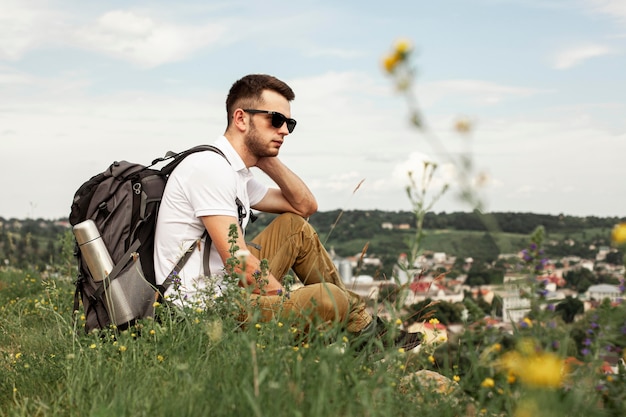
column 542, row 83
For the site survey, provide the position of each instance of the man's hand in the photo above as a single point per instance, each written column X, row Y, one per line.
column 292, row 194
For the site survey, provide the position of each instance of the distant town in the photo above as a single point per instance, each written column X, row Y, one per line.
column 592, row 274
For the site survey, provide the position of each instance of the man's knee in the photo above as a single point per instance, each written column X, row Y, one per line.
column 332, row 301
column 293, row 223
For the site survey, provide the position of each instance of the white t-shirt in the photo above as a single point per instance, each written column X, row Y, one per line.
column 203, row 184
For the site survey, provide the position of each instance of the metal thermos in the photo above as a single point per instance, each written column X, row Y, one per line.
column 93, row 249
column 100, row 265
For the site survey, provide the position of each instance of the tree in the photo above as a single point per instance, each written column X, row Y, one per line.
column 569, row 308
column 579, row 279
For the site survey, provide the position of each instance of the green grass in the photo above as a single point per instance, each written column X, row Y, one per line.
column 198, row 363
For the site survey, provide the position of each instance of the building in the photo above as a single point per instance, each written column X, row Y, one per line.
column 602, row 291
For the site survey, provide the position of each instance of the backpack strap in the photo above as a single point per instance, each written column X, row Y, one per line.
column 183, row 260
column 178, row 157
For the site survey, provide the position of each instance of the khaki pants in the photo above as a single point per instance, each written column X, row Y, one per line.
column 290, row 242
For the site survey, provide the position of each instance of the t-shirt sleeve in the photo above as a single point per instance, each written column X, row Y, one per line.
column 256, row 191
column 212, row 185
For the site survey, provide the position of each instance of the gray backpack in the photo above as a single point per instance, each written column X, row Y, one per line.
column 123, row 202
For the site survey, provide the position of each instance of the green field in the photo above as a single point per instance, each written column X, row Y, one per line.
column 198, row 362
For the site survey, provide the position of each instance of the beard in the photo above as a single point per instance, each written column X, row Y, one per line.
column 257, row 145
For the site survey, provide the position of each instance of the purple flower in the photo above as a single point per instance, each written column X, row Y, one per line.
column 587, row 342
column 533, row 246
column 550, row 307
column 585, row 352
column 594, row 325
column 556, row 344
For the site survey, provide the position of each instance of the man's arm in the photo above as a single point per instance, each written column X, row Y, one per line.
column 218, row 228
column 292, row 194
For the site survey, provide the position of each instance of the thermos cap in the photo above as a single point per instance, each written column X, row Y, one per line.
column 86, row 231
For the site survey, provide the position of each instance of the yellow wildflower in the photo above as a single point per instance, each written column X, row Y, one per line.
column 280, row 324
column 543, row 369
column 160, row 358
column 510, row 378
column 431, row 359
column 433, row 321
column 401, row 350
column 92, row 346
column 391, row 62
column 403, row 46
column 18, row 355
column 122, row 348
column 456, row 378
column 463, row 126
column 488, row 383
column 152, row 332
column 398, row 322
column 258, row 325
column 618, row 234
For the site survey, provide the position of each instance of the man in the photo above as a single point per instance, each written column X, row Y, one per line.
column 207, row 192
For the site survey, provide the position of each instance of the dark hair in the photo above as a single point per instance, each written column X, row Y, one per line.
column 246, row 92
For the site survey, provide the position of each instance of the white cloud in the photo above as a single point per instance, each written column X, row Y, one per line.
column 24, row 26
column 143, row 41
column 419, row 165
column 10, row 77
column 613, row 8
column 128, row 35
column 579, row 54
column 477, row 91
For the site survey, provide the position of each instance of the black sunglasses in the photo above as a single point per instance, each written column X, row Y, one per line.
column 277, row 118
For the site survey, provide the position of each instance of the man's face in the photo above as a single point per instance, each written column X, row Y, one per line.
column 263, row 139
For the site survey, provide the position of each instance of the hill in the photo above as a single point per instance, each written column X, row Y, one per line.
column 385, row 234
